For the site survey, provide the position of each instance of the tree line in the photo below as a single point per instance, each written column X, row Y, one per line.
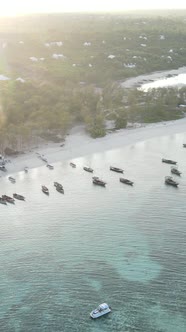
column 31, row 110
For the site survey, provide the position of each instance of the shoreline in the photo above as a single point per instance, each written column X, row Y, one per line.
column 79, row 144
column 138, row 81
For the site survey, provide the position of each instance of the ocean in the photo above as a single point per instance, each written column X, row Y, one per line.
column 63, row 255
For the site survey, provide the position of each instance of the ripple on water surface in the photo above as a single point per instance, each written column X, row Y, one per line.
column 63, row 255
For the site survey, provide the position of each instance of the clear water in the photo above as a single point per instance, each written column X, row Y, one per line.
column 62, row 255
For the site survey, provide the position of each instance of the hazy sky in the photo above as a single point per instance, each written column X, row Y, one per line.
column 16, row 7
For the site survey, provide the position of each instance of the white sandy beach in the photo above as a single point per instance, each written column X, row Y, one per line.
column 154, row 76
column 79, row 144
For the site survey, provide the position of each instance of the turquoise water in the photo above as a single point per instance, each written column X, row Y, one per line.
column 62, row 255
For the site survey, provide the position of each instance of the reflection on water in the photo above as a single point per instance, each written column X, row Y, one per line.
column 62, row 255
column 175, row 81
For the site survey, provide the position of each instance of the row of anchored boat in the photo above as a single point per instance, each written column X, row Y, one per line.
column 97, row 181
column 174, row 170
column 4, row 199
column 57, row 185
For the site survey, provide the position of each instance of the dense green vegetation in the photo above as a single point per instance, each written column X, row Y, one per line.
column 74, row 80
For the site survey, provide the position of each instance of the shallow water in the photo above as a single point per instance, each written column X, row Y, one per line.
column 62, row 255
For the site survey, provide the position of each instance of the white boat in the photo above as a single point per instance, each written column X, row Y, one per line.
column 101, row 310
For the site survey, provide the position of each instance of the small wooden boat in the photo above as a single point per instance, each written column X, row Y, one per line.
column 50, row 166
column 45, row 190
column 57, row 184
column 11, row 179
column 73, row 165
column 126, row 181
column 2, row 201
column 88, row 169
column 98, row 181
column 3, row 168
column 8, row 199
column 59, row 187
column 44, row 159
column 169, row 180
column 184, row 145
column 95, row 177
column 174, row 170
column 116, row 169
column 19, row 197
column 169, row 161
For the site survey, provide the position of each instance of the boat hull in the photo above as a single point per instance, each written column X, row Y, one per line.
column 167, row 161
column 125, row 181
column 115, row 169
column 99, row 314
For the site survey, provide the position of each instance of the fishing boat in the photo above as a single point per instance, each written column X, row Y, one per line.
column 50, row 166
column 101, row 310
column 59, row 187
column 174, row 170
column 88, row 169
column 44, row 159
column 3, row 168
column 169, row 180
column 73, row 165
column 8, row 199
column 98, row 181
column 57, row 184
column 126, row 181
column 45, row 190
column 19, row 197
column 2, row 201
column 169, row 161
column 116, row 169
column 11, row 179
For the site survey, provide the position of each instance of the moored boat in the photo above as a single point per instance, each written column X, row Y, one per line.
column 101, row 310
column 98, row 181
column 2, row 201
column 88, row 169
column 126, row 181
column 116, row 169
column 11, row 179
column 3, row 168
column 8, row 199
column 73, row 165
column 19, row 197
column 169, row 161
column 59, row 187
column 50, row 166
column 44, row 159
column 169, row 180
column 45, row 190
column 57, row 184
column 174, row 170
